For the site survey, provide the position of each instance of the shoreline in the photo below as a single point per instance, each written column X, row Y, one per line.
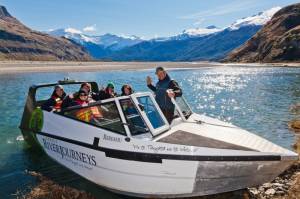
column 14, row 67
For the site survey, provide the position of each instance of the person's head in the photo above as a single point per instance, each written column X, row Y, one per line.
column 59, row 90
column 85, row 86
column 160, row 72
column 110, row 88
column 126, row 89
column 83, row 95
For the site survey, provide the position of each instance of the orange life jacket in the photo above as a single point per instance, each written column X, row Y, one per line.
column 86, row 114
column 95, row 112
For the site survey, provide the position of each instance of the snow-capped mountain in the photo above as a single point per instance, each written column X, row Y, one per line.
column 257, row 20
column 113, row 42
column 71, row 33
column 208, row 43
column 199, row 32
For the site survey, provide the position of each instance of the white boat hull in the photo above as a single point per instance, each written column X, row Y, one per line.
column 154, row 169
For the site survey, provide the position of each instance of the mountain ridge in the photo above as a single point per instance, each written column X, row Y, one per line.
column 277, row 41
column 18, row 42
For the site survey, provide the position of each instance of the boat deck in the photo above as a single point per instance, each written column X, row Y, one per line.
column 190, row 139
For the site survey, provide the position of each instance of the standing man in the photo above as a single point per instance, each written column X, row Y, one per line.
column 162, row 97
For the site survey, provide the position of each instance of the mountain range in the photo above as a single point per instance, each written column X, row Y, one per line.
column 18, row 42
column 98, row 46
column 210, row 43
column 269, row 36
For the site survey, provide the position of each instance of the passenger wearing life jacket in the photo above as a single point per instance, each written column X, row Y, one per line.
column 165, row 89
column 89, row 113
column 69, row 99
column 56, row 99
column 81, row 99
column 87, row 86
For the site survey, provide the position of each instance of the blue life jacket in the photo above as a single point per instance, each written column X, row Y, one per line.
column 161, row 96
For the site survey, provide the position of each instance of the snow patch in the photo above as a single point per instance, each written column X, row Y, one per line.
column 259, row 19
column 202, row 31
column 73, row 31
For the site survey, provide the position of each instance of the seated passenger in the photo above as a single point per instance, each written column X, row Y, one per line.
column 55, row 101
column 87, row 86
column 126, row 90
column 68, row 101
column 88, row 114
column 82, row 98
column 107, row 93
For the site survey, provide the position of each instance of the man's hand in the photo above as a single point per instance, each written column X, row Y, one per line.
column 149, row 80
column 171, row 94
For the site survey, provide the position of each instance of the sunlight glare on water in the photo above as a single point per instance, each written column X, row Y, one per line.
column 257, row 99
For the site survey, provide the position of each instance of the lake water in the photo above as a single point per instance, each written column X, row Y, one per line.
column 257, row 99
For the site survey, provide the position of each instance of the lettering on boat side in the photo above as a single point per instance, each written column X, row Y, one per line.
column 148, row 152
column 157, row 149
column 111, row 138
column 66, row 153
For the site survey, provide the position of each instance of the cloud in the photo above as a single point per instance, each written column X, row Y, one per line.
column 235, row 6
column 91, row 28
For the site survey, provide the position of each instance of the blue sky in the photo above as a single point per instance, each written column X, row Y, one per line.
column 144, row 18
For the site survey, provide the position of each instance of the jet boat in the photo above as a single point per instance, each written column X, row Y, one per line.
column 131, row 148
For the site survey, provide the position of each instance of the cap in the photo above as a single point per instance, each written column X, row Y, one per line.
column 159, row 68
column 110, row 85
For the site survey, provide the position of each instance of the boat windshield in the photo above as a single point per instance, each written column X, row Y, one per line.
column 151, row 111
column 184, row 107
column 105, row 115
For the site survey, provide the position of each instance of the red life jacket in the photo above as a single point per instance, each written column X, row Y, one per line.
column 58, row 102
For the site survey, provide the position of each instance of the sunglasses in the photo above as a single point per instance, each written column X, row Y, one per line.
column 82, row 95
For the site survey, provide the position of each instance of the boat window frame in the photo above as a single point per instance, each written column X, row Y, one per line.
column 177, row 107
column 153, row 131
column 139, row 113
column 100, row 102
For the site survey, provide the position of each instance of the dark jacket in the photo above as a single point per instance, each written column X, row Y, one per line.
column 103, row 94
column 161, row 96
column 51, row 102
